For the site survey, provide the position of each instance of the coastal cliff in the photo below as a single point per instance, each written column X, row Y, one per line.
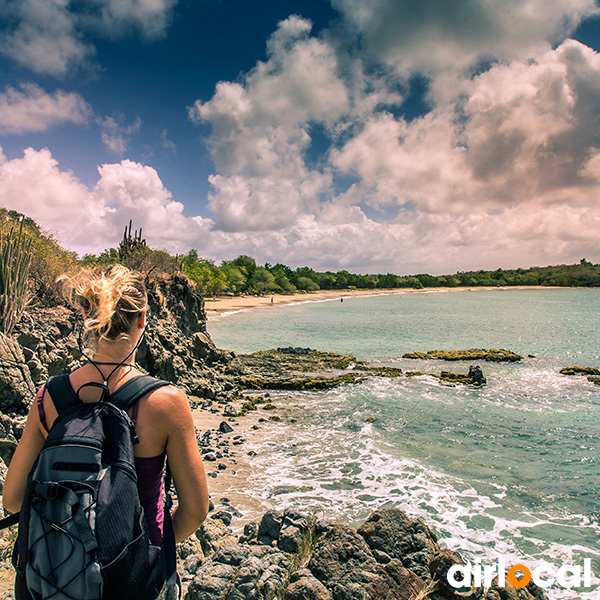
column 286, row 555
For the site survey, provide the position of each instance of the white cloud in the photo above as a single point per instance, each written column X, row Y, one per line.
column 261, row 130
column 117, row 17
column 90, row 220
column 437, row 35
column 116, row 136
column 33, row 109
column 37, row 187
column 522, row 136
column 503, row 169
column 47, row 36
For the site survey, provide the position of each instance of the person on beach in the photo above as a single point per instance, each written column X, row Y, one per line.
column 115, row 313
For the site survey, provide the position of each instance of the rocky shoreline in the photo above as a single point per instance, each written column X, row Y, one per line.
column 286, row 554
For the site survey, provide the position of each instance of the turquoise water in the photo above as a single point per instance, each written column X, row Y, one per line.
column 509, row 469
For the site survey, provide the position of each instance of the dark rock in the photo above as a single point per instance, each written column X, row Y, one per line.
column 239, row 572
column 270, row 525
column 508, row 592
column 292, row 529
column 396, row 582
column 474, row 354
column 17, row 389
column 476, row 374
column 391, row 531
column 223, row 516
column 343, row 562
column 229, row 411
column 250, row 533
column 381, row 557
column 225, row 427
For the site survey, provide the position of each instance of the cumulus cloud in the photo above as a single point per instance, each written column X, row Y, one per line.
column 116, row 18
column 335, row 237
column 261, row 130
column 33, row 109
column 502, row 169
column 43, row 37
column 47, row 36
column 115, row 135
column 90, row 220
column 523, row 136
column 437, row 35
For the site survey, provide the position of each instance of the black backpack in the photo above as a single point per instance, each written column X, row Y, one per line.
column 82, row 532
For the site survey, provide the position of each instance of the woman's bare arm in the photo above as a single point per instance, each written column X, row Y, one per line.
column 186, row 466
column 27, row 451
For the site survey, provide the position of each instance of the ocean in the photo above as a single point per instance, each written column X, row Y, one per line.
column 507, row 470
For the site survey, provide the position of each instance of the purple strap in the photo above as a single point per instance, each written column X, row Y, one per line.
column 41, row 411
column 134, row 413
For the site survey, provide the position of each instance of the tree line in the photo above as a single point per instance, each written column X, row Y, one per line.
column 243, row 275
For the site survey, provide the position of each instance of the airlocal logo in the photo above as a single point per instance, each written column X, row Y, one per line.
column 567, row 576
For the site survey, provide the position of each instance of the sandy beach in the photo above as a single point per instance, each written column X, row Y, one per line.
column 225, row 305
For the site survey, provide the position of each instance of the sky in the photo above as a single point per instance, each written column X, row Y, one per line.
column 403, row 136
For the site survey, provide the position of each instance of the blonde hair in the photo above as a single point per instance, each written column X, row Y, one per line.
column 110, row 299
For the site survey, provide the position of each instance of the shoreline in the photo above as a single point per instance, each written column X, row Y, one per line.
column 223, row 306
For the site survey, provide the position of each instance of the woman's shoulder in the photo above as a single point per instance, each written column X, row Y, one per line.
column 167, row 400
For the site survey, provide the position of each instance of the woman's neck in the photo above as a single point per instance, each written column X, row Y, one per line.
column 114, row 354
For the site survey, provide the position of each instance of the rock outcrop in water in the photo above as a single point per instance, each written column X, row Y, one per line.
column 474, row 354
column 577, row 370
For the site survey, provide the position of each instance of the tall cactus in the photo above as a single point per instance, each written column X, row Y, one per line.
column 131, row 248
column 15, row 259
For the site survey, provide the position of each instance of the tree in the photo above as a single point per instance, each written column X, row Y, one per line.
column 307, row 284
column 235, row 280
column 207, row 278
column 262, row 281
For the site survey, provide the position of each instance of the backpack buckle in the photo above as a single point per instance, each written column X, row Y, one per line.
column 48, row 490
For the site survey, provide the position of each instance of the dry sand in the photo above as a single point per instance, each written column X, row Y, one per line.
column 225, row 305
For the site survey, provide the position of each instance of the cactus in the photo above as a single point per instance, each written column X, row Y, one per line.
column 15, row 259
column 132, row 249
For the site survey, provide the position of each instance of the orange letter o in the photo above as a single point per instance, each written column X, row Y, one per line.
column 512, row 577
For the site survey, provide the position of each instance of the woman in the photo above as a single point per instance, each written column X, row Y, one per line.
column 115, row 312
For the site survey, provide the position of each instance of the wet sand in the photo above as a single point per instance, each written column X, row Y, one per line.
column 227, row 485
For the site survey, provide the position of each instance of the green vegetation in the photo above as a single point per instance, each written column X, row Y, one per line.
column 243, row 275
column 15, row 259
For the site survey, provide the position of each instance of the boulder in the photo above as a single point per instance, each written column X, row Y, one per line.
column 391, row 531
column 293, row 527
column 304, row 586
column 342, row 561
column 239, row 572
column 269, row 527
column 214, row 534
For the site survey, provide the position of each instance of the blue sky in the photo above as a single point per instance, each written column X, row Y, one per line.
column 388, row 135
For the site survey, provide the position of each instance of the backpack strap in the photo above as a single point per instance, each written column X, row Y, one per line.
column 125, row 396
column 61, row 392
